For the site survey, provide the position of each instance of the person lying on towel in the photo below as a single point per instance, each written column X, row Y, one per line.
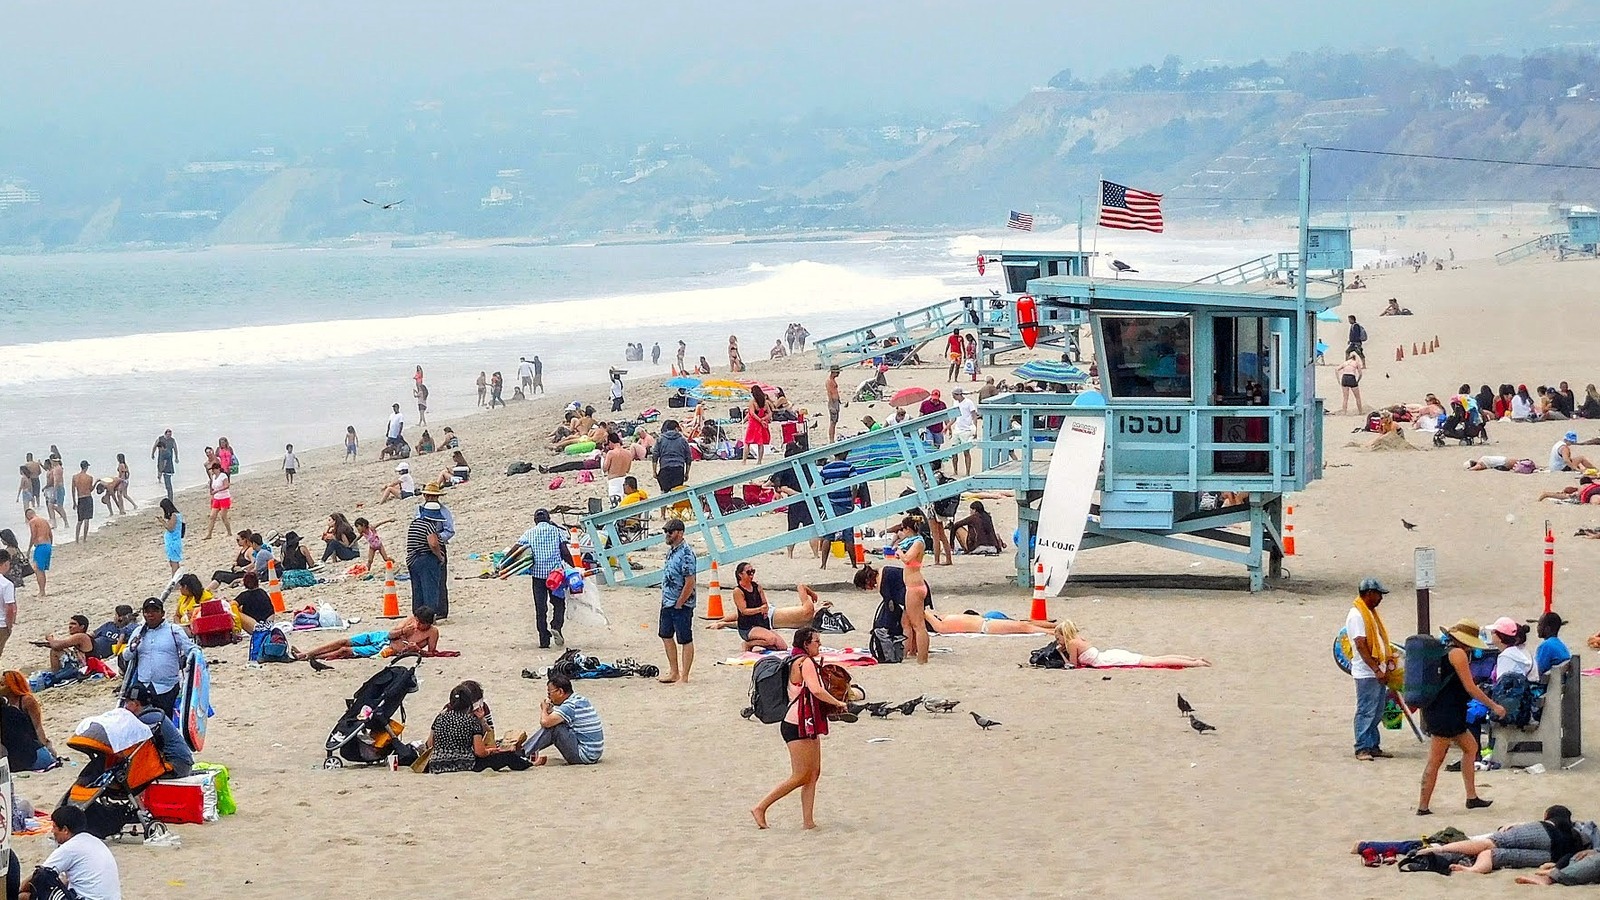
column 416, row 634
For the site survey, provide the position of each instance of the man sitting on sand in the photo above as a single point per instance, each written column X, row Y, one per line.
column 1562, row 459
column 68, row 651
column 416, row 634
column 567, row 722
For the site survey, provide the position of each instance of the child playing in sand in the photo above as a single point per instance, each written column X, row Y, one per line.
column 374, row 541
column 290, row 463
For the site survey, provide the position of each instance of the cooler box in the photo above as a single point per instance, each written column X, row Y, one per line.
column 183, row 801
column 213, row 627
column 790, row 431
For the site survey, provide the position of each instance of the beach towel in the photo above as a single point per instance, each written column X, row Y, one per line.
column 849, row 656
column 1373, row 626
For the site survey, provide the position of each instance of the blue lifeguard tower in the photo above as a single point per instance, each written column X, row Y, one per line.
column 1208, row 396
column 992, row 316
column 1581, row 239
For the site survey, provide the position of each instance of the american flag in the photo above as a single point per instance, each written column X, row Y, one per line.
column 1020, row 220
column 1129, row 209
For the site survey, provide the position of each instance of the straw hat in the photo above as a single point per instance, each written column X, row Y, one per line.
column 431, row 489
column 1466, row 631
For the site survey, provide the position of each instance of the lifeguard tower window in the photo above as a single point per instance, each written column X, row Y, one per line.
column 1243, row 362
column 1019, row 274
column 1148, row 356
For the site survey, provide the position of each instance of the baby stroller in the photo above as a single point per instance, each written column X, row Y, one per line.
column 123, row 761
column 373, row 719
column 1465, row 425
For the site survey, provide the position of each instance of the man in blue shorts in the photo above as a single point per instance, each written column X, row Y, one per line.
column 677, row 603
column 415, row 634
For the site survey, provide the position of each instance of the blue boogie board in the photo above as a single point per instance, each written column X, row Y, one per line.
column 194, row 699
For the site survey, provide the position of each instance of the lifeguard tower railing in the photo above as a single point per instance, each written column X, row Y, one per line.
column 1554, row 242
column 910, row 330
column 1012, row 452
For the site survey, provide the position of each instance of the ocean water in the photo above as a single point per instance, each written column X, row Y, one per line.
column 101, row 352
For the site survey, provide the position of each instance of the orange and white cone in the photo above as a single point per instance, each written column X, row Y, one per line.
column 391, row 595
column 714, row 604
column 1040, row 610
column 274, row 586
column 1288, row 531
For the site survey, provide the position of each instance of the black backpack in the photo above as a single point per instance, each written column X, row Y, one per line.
column 1047, row 657
column 769, row 687
column 832, row 622
column 947, row 507
column 886, row 647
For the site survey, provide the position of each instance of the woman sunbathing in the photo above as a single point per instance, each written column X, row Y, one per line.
column 783, row 616
column 1078, row 652
column 971, row 623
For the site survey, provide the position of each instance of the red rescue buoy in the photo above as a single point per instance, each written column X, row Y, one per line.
column 981, row 261
column 1028, row 320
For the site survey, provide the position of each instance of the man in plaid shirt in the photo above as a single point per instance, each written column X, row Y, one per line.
column 548, row 545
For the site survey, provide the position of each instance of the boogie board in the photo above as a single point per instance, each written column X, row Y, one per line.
column 1343, row 652
column 194, row 699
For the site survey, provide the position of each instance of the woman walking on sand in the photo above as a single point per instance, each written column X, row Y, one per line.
column 221, row 498
column 802, row 728
column 172, row 534
column 1350, row 382
column 496, row 385
column 1445, row 716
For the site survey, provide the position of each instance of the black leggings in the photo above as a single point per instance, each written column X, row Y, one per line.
column 345, row 552
column 504, row 759
column 575, row 465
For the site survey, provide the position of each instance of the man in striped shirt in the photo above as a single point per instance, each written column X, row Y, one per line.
column 841, row 500
column 567, row 722
column 425, row 562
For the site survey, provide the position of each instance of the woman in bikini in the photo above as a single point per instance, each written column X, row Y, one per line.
column 1078, row 652
column 972, row 623
column 753, row 612
column 910, row 550
column 781, row 616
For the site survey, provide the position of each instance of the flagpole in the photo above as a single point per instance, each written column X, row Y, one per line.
column 1100, row 185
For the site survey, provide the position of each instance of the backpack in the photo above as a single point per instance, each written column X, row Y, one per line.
column 832, row 622
column 1047, row 657
column 518, row 468
column 769, row 688
column 1425, row 658
column 1515, row 693
column 886, row 647
column 1360, row 334
column 269, row 644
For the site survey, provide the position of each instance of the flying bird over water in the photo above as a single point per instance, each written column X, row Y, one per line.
column 390, row 205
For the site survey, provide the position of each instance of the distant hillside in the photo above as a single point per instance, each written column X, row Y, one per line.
column 1218, row 141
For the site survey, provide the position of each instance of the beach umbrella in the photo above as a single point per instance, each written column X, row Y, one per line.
column 1052, row 372
column 727, row 384
column 683, row 382
column 909, row 396
column 1328, row 315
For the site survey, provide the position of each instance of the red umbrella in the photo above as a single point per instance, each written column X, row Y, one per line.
column 909, row 396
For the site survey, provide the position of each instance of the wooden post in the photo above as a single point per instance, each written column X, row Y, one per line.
column 1426, row 578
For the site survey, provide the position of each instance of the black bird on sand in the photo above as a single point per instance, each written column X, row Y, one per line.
column 1409, row 526
column 909, row 707
column 390, row 205
column 1183, row 706
column 1199, row 726
column 880, row 712
column 940, row 706
column 984, row 723
column 318, row 665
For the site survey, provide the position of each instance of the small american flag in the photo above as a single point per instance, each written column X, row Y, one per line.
column 1129, row 209
column 1020, row 220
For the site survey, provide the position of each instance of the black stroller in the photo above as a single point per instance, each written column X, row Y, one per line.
column 1465, row 425
column 373, row 719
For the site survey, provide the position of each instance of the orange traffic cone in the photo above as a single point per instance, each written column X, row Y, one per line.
column 1288, row 531
column 861, row 548
column 391, row 597
column 274, row 586
column 1040, row 610
column 714, row 605
column 575, row 547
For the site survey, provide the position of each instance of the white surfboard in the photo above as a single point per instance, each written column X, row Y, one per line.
column 1068, row 493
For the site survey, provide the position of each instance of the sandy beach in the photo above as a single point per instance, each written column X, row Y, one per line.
column 1093, row 784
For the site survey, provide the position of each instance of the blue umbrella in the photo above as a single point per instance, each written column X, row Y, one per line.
column 682, row 381
column 1328, row 315
column 1053, row 372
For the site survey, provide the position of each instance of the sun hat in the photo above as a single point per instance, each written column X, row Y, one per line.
column 1372, row 584
column 431, row 489
column 1466, row 631
column 1570, row 437
column 1505, row 625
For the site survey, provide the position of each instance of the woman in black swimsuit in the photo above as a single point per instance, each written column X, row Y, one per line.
column 1445, row 717
column 755, row 614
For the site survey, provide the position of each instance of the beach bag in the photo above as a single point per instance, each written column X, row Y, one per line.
column 1524, row 467
column 1425, row 657
column 269, row 644
column 556, row 482
column 970, row 367
column 947, row 507
column 769, row 688
column 1514, row 692
column 832, row 622
column 307, row 618
column 1047, row 657
column 886, row 647
column 233, row 466
column 518, row 468
column 299, row 578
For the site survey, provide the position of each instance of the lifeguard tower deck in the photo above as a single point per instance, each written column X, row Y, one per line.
column 1208, row 396
column 991, row 317
column 1581, row 240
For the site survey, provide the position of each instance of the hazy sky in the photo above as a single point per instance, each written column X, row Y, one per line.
column 182, row 64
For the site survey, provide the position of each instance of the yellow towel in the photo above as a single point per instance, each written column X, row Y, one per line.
column 1377, row 635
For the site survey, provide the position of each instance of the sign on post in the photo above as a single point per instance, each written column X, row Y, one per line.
column 1427, row 577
